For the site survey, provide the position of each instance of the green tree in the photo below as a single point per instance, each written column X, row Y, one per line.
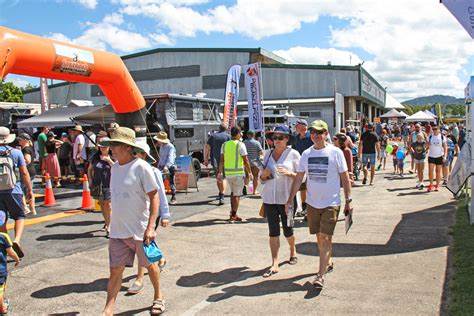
column 10, row 93
column 29, row 86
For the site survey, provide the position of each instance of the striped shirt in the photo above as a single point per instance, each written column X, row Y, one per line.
column 253, row 149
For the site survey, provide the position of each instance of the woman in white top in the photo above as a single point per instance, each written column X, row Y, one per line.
column 437, row 151
column 277, row 175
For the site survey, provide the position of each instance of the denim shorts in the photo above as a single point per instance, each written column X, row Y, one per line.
column 372, row 158
column 12, row 204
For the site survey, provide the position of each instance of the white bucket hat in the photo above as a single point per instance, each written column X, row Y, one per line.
column 144, row 147
column 5, row 136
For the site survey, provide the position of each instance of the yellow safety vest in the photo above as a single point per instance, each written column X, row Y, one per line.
column 233, row 161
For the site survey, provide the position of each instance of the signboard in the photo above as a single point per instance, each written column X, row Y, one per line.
column 73, row 60
column 255, row 110
column 44, row 95
column 231, row 95
column 184, row 176
column 461, row 170
column 463, row 11
column 371, row 89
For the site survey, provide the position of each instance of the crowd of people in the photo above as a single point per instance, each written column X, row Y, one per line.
column 297, row 174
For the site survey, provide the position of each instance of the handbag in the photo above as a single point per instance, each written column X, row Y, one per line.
column 261, row 212
column 152, row 252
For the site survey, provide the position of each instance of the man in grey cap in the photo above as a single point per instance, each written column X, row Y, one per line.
column 369, row 149
column 301, row 142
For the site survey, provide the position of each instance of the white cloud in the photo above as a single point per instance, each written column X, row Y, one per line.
column 89, row 4
column 17, row 81
column 319, row 56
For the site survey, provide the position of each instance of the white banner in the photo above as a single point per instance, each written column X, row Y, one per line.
column 463, row 11
column 231, row 95
column 252, row 83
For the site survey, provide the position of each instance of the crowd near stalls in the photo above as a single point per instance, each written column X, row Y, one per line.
column 298, row 172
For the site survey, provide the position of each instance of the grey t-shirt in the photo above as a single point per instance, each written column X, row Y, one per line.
column 253, row 149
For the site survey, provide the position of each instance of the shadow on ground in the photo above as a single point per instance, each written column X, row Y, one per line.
column 79, row 223
column 426, row 229
column 220, row 221
column 89, row 234
column 99, row 285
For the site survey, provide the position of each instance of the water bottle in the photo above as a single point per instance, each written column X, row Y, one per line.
column 250, row 187
column 290, row 222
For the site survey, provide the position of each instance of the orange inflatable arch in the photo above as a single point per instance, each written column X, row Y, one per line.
column 30, row 55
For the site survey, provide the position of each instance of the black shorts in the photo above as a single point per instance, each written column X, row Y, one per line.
column 12, row 205
column 437, row 161
column 64, row 161
column 273, row 213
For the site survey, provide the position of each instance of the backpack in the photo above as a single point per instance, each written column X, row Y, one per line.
column 7, row 171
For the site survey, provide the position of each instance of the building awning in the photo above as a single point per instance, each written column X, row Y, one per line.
column 68, row 116
column 292, row 101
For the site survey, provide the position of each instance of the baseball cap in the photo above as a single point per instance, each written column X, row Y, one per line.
column 302, row 122
column 24, row 136
column 319, row 125
column 250, row 132
column 63, row 134
column 370, row 125
column 282, row 129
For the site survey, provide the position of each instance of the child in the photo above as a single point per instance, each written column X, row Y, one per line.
column 394, row 157
column 401, row 157
column 5, row 249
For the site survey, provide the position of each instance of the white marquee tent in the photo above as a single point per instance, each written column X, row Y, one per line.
column 420, row 116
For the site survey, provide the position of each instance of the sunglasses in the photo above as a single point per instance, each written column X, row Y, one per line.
column 279, row 137
column 318, row 132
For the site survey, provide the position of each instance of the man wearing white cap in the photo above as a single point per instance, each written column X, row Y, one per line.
column 12, row 167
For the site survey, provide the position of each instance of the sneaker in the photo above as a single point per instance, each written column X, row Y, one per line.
column 220, row 199
column 445, row 183
column 418, row 184
column 436, row 188
column 364, row 181
column 173, row 200
column 430, row 188
column 421, row 186
column 318, row 281
column 378, row 167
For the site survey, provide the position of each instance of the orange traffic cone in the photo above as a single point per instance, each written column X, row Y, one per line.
column 49, row 199
column 87, row 202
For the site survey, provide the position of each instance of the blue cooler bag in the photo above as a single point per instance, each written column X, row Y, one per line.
column 152, row 252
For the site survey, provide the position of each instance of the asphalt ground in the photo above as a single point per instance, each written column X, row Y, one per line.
column 392, row 262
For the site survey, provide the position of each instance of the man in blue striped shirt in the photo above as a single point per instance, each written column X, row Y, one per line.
column 255, row 153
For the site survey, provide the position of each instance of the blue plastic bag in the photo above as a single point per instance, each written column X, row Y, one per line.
column 152, row 252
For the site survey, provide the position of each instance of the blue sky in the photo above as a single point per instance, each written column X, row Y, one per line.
column 401, row 53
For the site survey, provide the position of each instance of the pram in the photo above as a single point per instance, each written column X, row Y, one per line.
column 355, row 162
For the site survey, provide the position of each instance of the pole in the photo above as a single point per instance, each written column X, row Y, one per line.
column 261, row 103
column 471, row 206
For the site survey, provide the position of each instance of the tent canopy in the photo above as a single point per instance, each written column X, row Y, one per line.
column 420, row 116
column 392, row 103
column 62, row 117
column 392, row 114
column 429, row 113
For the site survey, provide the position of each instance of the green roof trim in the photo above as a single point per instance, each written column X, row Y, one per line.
column 309, row 66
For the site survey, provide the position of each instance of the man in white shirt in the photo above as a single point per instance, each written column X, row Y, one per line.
column 78, row 150
column 135, row 203
column 437, row 153
column 326, row 168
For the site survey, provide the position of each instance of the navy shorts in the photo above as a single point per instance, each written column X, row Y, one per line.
column 12, row 204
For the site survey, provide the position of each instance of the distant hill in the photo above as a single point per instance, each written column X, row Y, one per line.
column 432, row 99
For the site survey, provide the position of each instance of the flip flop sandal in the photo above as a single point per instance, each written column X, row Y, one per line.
column 293, row 260
column 135, row 288
column 269, row 273
column 318, row 281
column 6, row 303
column 158, row 307
column 16, row 247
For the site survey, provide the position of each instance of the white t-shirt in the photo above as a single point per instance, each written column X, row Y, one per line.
column 129, row 185
column 436, row 145
column 91, row 140
column 277, row 190
column 79, row 140
column 323, row 168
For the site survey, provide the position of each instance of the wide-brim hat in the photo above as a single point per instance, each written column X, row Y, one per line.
column 162, row 137
column 121, row 135
column 103, row 142
column 77, row 128
column 280, row 129
column 5, row 136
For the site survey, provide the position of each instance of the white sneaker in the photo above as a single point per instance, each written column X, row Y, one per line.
column 417, row 185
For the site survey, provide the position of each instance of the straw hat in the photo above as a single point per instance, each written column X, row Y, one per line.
column 162, row 137
column 77, row 128
column 144, row 147
column 122, row 135
column 5, row 136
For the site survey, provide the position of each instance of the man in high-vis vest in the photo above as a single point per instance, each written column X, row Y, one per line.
column 235, row 166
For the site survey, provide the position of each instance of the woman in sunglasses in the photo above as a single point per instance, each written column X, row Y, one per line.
column 277, row 175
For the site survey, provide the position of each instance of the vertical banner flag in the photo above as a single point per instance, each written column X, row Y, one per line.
column 44, row 95
column 252, row 82
column 463, row 11
column 231, row 95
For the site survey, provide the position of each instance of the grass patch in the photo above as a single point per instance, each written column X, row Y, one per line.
column 462, row 284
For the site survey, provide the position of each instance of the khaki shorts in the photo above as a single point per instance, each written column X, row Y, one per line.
column 322, row 220
column 236, row 184
column 122, row 253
